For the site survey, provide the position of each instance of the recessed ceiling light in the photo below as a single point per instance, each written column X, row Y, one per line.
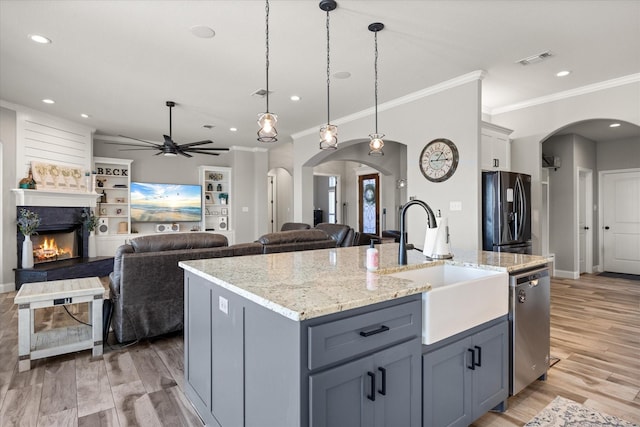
column 84, row 116
column 342, row 75
column 295, row 98
column 48, row 101
column 202, row 31
column 233, row 129
column 39, row 39
column 563, row 73
column 614, row 125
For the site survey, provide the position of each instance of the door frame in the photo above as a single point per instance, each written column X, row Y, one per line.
column 588, row 213
column 601, row 175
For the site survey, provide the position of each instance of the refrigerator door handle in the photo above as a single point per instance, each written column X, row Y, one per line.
column 520, row 206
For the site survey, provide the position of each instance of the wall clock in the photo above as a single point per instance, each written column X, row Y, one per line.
column 439, row 160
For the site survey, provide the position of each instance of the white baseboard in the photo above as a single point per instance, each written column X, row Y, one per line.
column 564, row 274
column 7, row 287
column 597, row 269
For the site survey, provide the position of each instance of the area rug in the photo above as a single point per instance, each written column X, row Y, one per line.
column 620, row 275
column 563, row 412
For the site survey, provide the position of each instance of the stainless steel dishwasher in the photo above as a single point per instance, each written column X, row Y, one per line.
column 529, row 300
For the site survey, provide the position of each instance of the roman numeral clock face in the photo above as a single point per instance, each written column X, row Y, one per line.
column 439, row 160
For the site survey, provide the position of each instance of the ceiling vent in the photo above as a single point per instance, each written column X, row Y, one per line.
column 261, row 93
column 535, row 58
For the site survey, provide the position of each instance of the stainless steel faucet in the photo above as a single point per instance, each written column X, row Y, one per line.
column 402, row 251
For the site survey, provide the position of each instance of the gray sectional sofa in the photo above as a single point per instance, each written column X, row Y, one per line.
column 146, row 284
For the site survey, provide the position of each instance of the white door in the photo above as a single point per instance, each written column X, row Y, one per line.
column 585, row 220
column 621, row 222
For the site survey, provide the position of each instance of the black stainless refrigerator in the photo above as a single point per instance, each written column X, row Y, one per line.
column 506, row 212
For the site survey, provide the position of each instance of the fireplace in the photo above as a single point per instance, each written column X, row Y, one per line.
column 60, row 227
column 61, row 247
column 55, row 246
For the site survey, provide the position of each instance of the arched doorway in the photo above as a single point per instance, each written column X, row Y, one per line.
column 577, row 205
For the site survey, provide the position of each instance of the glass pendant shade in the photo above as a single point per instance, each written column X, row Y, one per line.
column 376, row 144
column 328, row 137
column 268, row 132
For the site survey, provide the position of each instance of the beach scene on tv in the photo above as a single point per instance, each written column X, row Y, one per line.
column 151, row 202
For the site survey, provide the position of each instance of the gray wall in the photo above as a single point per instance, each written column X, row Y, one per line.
column 454, row 113
column 9, row 181
column 320, row 197
column 619, row 154
column 561, row 208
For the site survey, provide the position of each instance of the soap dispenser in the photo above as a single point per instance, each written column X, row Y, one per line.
column 373, row 258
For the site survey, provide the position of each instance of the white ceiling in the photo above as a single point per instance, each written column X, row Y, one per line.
column 119, row 61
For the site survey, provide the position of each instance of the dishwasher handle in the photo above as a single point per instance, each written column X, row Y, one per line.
column 531, row 276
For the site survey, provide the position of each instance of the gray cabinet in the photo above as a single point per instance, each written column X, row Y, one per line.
column 246, row 365
column 465, row 377
column 382, row 389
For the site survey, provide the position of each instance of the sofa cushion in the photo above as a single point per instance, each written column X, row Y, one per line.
column 171, row 242
column 294, row 226
column 293, row 236
column 253, row 248
column 337, row 232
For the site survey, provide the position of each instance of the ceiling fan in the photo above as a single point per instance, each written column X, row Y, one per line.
column 170, row 148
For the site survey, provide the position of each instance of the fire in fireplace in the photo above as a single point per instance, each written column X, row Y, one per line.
column 54, row 246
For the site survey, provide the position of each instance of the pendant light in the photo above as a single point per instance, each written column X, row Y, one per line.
column 267, row 121
column 376, row 143
column 328, row 132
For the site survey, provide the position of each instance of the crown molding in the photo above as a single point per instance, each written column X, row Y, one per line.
column 414, row 96
column 583, row 90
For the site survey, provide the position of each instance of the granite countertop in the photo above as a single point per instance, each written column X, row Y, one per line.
column 307, row 284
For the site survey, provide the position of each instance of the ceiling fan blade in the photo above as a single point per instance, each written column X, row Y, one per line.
column 132, row 145
column 183, row 153
column 204, row 152
column 193, row 144
column 136, row 139
column 137, row 149
column 211, row 149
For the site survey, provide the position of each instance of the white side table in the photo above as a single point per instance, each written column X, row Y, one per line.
column 53, row 342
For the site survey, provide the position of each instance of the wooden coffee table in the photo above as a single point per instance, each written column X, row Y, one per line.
column 31, row 296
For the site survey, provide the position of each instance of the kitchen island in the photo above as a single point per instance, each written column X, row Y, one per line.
column 311, row 338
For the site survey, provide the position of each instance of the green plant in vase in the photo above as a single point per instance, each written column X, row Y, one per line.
column 89, row 220
column 224, row 198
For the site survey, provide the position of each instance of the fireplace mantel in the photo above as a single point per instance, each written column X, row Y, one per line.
column 55, row 198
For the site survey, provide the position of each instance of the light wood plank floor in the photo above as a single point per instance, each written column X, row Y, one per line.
column 595, row 331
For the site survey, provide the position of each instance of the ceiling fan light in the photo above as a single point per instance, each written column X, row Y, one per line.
column 376, row 144
column 169, row 154
column 329, row 137
column 267, row 131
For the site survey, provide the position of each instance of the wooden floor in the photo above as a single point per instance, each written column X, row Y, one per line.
column 595, row 331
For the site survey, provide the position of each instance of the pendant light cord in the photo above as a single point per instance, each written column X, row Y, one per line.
column 267, row 49
column 375, row 71
column 328, row 70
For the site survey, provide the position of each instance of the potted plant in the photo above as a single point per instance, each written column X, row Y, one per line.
column 90, row 222
column 28, row 222
column 223, row 198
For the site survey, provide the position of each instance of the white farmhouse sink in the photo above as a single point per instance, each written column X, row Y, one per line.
column 460, row 298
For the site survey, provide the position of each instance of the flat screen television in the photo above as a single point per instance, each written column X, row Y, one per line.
column 152, row 202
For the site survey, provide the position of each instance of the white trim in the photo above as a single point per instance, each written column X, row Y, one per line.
column 607, row 84
column 432, row 90
column 564, row 274
column 54, row 198
column 588, row 219
column 7, row 287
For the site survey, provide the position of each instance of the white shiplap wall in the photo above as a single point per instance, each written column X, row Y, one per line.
column 48, row 139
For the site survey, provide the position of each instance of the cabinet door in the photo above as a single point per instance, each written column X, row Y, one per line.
column 342, row 396
column 495, row 151
column 197, row 329
column 446, row 385
column 227, row 357
column 398, row 383
column 490, row 379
